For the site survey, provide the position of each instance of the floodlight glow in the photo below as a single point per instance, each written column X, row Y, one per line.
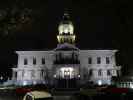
column 131, row 86
column 54, row 76
column 24, row 83
column 66, row 28
column 78, row 76
column 67, row 71
column 34, row 82
column 99, row 82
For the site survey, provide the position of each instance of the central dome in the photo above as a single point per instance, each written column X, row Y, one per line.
column 66, row 26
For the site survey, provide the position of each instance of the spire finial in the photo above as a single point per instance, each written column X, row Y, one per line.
column 66, row 15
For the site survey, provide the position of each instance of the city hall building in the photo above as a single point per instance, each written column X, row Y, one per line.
column 66, row 65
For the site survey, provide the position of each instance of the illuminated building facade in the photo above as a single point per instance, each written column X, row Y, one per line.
column 66, row 65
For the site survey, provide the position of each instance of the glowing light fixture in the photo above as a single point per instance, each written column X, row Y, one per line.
column 66, row 69
column 66, row 28
column 34, row 82
column 55, row 76
column 99, row 82
column 24, row 83
column 131, row 86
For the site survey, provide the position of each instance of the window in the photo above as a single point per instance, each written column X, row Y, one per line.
column 98, row 60
column 90, row 72
column 108, row 72
column 107, row 60
column 34, row 61
column 42, row 73
column 43, row 60
column 118, row 72
column 90, row 60
column 15, row 75
column 25, row 61
column 99, row 72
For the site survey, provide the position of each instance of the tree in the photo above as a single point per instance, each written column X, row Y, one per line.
column 14, row 18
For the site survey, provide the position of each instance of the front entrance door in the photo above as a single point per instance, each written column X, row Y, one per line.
column 66, row 83
column 67, row 78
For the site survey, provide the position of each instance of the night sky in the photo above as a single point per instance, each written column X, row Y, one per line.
column 99, row 24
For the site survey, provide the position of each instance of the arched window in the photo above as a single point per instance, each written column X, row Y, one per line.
column 42, row 73
column 99, row 72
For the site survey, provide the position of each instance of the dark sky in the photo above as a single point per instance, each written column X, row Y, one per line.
column 99, row 24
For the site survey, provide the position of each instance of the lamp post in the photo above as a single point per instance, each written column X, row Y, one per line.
column 1, row 79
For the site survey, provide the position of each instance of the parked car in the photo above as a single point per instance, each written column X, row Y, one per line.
column 38, row 95
column 23, row 90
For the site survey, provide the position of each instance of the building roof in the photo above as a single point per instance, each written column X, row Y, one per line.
column 65, row 47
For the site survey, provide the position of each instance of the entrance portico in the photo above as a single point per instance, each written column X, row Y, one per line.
column 66, row 77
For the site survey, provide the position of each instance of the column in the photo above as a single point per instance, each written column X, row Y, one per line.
column 104, row 73
column 13, row 75
column 50, row 77
column 113, row 61
column 95, row 73
column 38, row 74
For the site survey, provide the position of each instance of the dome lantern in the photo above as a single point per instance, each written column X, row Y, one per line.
column 66, row 26
column 66, row 30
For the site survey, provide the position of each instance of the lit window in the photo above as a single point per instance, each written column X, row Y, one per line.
column 43, row 60
column 100, row 72
column 98, row 60
column 34, row 61
column 107, row 60
column 25, row 61
column 90, row 60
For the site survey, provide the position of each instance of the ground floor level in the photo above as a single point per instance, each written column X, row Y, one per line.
column 62, row 77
